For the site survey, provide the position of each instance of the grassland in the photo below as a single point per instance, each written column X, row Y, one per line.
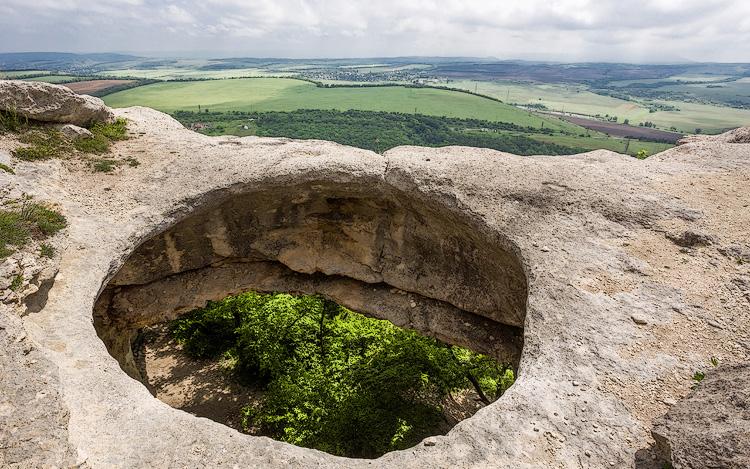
column 22, row 73
column 280, row 94
column 577, row 99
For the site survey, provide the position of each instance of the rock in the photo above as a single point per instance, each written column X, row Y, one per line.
column 690, row 239
column 545, row 249
column 639, row 319
column 711, row 426
column 73, row 131
column 46, row 102
column 4, row 158
column 199, row 220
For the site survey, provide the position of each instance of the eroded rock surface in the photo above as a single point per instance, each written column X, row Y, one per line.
column 710, row 428
column 52, row 103
column 467, row 244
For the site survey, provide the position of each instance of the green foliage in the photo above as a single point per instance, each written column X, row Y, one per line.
column 699, row 376
column 17, row 282
column 24, row 219
column 335, row 380
column 46, row 250
column 642, row 154
column 379, row 131
column 6, row 168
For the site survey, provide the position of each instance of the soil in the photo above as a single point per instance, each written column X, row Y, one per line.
column 92, row 86
column 626, row 131
column 204, row 388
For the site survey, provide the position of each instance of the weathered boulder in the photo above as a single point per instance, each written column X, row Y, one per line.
column 46, row 102
column 710, row 428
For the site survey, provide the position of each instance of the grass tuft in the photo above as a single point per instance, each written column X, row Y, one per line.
column 46, row 250
column 104, row 166
column 25, row 220
column 6, row 168
column 17, row 282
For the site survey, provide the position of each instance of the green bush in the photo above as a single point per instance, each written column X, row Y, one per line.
column 335, row 380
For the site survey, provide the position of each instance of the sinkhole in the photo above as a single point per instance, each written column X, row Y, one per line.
column 342, row 254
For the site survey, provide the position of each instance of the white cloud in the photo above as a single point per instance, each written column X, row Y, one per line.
column 550, row 29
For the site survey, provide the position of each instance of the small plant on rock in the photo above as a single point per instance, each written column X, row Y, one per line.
column 7, row 169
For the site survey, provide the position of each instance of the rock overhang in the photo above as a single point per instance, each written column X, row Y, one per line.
column 574, row 224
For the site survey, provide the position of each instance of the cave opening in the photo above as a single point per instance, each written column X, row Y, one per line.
column 437, row 276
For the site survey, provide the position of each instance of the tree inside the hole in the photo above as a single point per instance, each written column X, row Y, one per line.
column 333, row 379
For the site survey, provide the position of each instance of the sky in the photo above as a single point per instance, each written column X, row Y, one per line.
column 561, row 30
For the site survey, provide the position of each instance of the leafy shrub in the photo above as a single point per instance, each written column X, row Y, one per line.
column 335, row 380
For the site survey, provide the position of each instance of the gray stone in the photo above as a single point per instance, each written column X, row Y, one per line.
column 46, row 102
column 73, row 131
column 639, row 319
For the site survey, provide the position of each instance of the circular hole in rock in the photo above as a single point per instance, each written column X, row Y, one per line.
column 392, row 256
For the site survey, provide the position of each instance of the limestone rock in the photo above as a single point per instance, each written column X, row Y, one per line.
column 443, row 240
column 46, row 102
column 710, row 428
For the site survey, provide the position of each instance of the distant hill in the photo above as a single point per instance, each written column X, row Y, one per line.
column 59, row 61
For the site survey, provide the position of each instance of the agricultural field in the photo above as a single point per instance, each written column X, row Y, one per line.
column 279, row 94
column 95, row 86
column 576, row 99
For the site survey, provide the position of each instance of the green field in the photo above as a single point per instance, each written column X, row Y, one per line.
column 576, row 99
column 280, row 94
column 22, row 73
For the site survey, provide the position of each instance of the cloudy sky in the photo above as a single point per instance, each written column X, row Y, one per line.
column 566, row 30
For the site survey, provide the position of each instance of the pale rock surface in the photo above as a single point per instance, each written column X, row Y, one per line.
column 710, row 428
column 591, row 381
column 73, row 131
column 46, row 102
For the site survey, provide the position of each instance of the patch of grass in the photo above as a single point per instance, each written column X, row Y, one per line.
column 23, row 220
column 104, row 134
column 17, row 282
column 43, row 144
column 13, row 232
column 118, row 130
column 132, row 162
column 97, row 144
column 104, row 166
column 6, row 168
column 46, row 250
